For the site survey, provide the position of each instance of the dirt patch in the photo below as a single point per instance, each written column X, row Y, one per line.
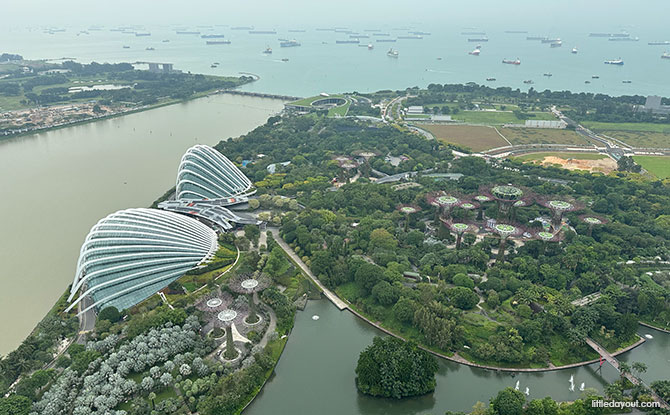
column 605, row 165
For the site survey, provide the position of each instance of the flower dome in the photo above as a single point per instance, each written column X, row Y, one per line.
column 132, row 254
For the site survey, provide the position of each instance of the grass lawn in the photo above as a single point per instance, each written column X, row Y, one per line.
column 659, row 166
column 339, row 110
column 563, row 155
column 474, row 137
column 644, row 139
column 497, row 117
column 519, row 136
column 628, row 126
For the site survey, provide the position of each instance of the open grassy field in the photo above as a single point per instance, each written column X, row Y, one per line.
column 497, row 117
column 518, row 136
column 659, row 166
column 473, row 137
column 628, row 126
column 339, row 110
column 644, row 139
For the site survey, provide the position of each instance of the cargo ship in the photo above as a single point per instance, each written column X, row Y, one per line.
column 242, row 28
column 381, row 34
column 536, row 37
column 212, row 36
column 614, row 62
column 386, row 40
column 474, row 33
column 296, row 30
column 512, row 62
column 549, row 40
column 186, row 32
column 351, row 41
column 478, row 39
column 624, row 39
column 142, row 34
column 289, row 43
column 516, row 31
column 659, row 43
column 556, row 44
column 218, row 42
column 410, row 37
column 490, row 79
column 421, row 33
column 262, row 32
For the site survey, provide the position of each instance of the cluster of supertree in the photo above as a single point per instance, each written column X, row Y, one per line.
column 218, row 306
column 249, row 284
column 408, row 210
column 508, row 199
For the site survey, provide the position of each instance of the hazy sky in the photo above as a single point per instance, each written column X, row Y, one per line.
column 591, row 14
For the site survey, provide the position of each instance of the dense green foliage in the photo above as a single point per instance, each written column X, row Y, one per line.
column 354, row 241
column 393, row 368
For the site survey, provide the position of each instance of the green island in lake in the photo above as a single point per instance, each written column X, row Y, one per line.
column 489, row 227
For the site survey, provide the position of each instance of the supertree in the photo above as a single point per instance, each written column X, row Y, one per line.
column 444, row 202
column 248, row 284
column 407, row 210
column 592, row 221
column 547, row 237
column 459, row 228
column 505, row 231
column 226, row 318
column 506, row 196
column 558, row 207
column 468, row 205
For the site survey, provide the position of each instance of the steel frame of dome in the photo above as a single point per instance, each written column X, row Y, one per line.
column 131, row 254
column 205, row 173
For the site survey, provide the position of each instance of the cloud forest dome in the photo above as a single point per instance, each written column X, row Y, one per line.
column 205, row 173
column 131, row 254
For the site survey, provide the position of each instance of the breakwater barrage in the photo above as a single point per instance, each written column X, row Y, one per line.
column 260, row 95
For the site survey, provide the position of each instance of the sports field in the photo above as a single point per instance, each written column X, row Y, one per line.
column 659, row 166
column 519, row 136
column 475, row 138
column 497, row 117
column 572, row 161
column 562, row 155
column 643, row 139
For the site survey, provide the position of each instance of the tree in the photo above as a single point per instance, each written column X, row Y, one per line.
column 254, row 204
column 508, row 402
column 110, row 314
column 15, row 405
column 393, row 368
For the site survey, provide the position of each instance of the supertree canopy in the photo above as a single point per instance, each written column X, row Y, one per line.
column 506, row 196
column 226, row 318
column 481, row 199
column 459, row 228
column 444, row 202
column 558, row 207
column 407, row 210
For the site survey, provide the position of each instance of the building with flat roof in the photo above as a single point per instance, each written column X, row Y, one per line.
column 653, row 105
column 130, row 255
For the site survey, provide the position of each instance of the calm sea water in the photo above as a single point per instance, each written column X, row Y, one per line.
column 322, row 65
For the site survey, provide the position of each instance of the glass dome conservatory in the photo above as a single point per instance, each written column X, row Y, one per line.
column 133, row 253
column 205, row 173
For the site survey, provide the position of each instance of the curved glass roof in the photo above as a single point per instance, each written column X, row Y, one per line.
column 205, row 173
column 133, row 253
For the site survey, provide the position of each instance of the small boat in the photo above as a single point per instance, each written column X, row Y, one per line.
column 268, row 50
column 556, row 44
column 284, row 59
column 439, row 59
column 614, row 62
column 665, row 55
column 547, row 74
column 475, row 52
column 126, row 47
column 490, row 79
column 528, row 81
column 587, row 82
column 165, row 40
column 573, row 51
column 150, row 48
column 626, row 82
column 517, row 61
column 213, row 66
column 595, row 77
column 392, row 53
column 370, row 46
